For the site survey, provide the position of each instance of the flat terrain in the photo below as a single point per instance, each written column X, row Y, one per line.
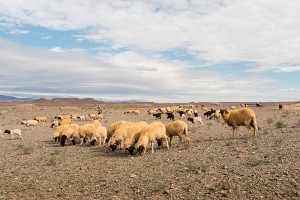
column 213, row 166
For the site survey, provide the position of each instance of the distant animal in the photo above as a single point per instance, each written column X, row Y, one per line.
column 209, row 113
column 258, row 105
column 30, row 122
column 13, row 132
column 280, row 106
column 170, row 116
column 241, row 117
column 181, row 113
column 195, row 120
column 157, row 115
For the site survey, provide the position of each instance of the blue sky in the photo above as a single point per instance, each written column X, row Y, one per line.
column 161, row 51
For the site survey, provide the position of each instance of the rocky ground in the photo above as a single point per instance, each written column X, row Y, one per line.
column 213, row 166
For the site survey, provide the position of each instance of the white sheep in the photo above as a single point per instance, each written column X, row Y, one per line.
column 134, row 135
column 30, row 122
column 155, row 131
column 101, row 135
column 196, row 120
column 55, row 123
column 58, row 131
column 240, row 117
column 14, row 132
column 86, row 132
column 177, row 128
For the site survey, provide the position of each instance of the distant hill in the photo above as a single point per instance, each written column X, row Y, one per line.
column 4, row 98
column 68, row 101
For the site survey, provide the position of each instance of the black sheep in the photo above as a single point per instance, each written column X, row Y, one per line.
column 170, row 116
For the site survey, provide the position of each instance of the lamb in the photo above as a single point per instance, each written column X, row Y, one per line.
column 241, row 117
column 70, row 133
column 55, row 123
column 133, row 135
column 41, row 119
column 170, row 116
column 30, row 123
column 119, row 136
column 112, row 128
column 177, row 128
column 216, row 115
column 14, row 132
column 157, row 115
column 196, row 120
column 155, row 131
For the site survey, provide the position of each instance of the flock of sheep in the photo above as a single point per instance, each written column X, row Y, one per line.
column 137, row 136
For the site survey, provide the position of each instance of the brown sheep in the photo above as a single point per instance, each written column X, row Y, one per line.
column 177, row 128
column 240, row 117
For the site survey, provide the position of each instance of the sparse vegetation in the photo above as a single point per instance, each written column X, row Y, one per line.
column 280, row 124
column 270, row 120
column 285, row 114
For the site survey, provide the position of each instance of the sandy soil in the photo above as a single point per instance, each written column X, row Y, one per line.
column 213, row 166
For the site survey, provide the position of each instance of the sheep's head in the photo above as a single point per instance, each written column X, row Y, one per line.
column 113, row 147
column 7, row 131
column 224, row 113
column 141, row 149
column 93, row 142
column 190, row 119
column 130, row 149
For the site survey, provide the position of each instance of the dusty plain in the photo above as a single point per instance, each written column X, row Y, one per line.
column 213, row 166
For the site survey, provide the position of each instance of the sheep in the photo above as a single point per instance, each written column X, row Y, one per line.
column 280, row 106
column 177, row 128
column 30, row 123
column 157, row 115
column 170, row 116
column 133, row 135
column 41, row 119
column 232, row 107
column 195, row 120
column 112, row 128
column 189, row 113
column 65, row 121
column 61, row 117
column 119, row 136
column 55, row 123
column 155, row 131
column 100, row 136
column 86, row 132
column 14, row 132
column 241, row 117
column 243, row 105
column 152, row 110
column 216, row 115
column 81, row 118
column 181, row 113
column 71, row 133
column 196, row 113
column 58, row 131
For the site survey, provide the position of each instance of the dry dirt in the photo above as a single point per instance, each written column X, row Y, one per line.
column 213, row 166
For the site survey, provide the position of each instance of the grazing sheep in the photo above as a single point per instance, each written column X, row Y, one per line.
column 133, row 135
column 170, row 116
column 189, row 113
column 177, row 128
column 86, row 132
column 112, row 128
column 155, row 131
column 61, row 117
column 152, row 110
column 241, row 117
column 136, row 112
column 215, row 115
column 101, row 135
column 81, row 118
column 232, row 107
column 119, row 136
column 195, row 120
column 14, row 132
column 58, row 131
column 69, row 133
column 30, row 123
column 157, row 115
column 41, row 119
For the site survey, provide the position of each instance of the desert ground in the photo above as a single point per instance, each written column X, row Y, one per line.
column 213, row 166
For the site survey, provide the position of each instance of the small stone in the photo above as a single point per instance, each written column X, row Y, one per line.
column 132, row 176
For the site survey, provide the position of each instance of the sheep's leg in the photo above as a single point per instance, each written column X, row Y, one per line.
column 152, row 147
column 170, row 141
column 167, row 143
column 180, row 140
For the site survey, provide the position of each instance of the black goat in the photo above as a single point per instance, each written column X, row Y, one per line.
column 157, row 115
column 170, row 116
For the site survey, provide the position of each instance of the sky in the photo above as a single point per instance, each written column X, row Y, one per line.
column 165, row 51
